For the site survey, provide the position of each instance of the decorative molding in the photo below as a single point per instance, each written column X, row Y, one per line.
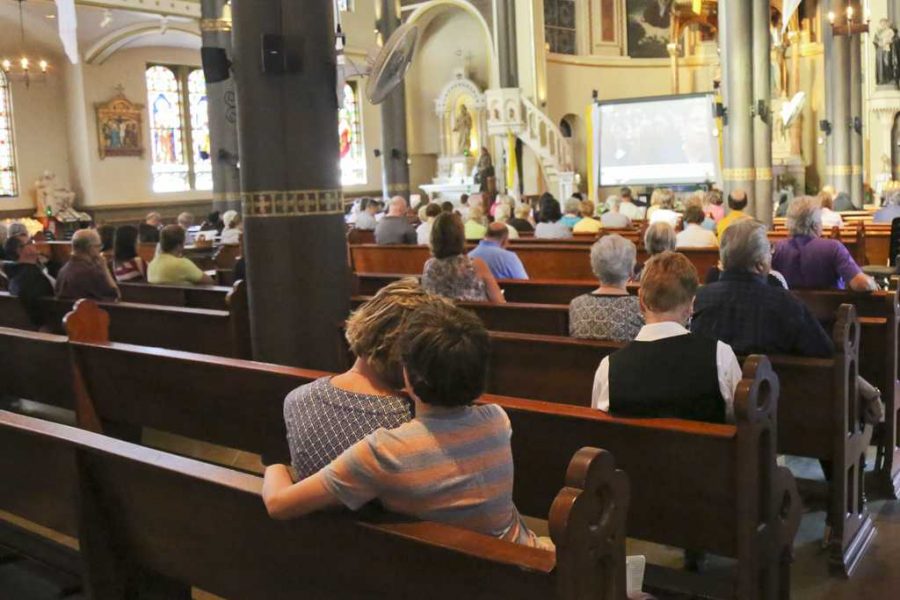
column 215, row 25
column 292, row 203
column 740, row 174
column 856, row 170
column 763, row 174
column 839, row 170
column 179, row 8
column 114, row 41
column 597, row 60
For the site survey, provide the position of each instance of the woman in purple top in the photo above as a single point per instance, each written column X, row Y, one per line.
column 809, row 261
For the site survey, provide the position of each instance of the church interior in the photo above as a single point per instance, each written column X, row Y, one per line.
column 300, row 299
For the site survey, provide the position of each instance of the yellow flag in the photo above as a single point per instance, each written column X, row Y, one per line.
column 697, row 7
column 512, row 168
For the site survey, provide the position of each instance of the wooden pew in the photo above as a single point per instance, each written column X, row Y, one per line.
column 224, row 333
column 877, row 243
column 148, row 520
column 223, row 387
column 191, row 296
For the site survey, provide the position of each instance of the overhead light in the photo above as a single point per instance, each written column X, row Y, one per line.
column 22, row 68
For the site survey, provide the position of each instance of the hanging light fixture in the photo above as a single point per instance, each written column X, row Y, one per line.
column 24, row 68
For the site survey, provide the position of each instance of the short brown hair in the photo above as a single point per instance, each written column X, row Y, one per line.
column 694, row 214
column 448, row 236
column 171, row 237
column 374, row 328
column 669, row 280
column 445, row 352
column 587, row 208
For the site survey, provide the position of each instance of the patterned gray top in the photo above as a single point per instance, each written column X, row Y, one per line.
column 453, row 277
column 322, row 421
column 596, row 317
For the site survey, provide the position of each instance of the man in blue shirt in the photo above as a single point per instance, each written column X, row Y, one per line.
column 492, row 250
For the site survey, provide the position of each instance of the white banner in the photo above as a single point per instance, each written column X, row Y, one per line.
column 68, row 28
column 789, row 7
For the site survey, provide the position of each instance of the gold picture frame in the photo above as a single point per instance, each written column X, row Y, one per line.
column 120, row 127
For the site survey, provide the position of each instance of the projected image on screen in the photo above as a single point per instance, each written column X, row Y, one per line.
column 658, row 141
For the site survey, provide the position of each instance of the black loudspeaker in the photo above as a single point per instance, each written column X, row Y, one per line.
column 273, row 58
column 216, row 66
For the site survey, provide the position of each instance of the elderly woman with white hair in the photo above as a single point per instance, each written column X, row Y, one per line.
column 572, row 214
column 502, row 214
column 809, row 261
column 662, row 207
column 609, row 312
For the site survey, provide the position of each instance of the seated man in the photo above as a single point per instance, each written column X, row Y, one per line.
column 86, row 275
column 694, row 234
column 890, row 210
column 743, row 310
column 170, row 266
column 614, row 218
column 148, row 231
column 668, row 371
column 737, row 202
column 365, row 220
column 808, row 261
column 452, row 463
column 395, row 228
column 503, row 263
column 29, row 281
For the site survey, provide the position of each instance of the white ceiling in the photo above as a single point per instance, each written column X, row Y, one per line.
column 41, row 33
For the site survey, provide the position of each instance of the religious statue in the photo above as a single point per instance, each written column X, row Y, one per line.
column 54, row 200
column 484, row 170
column 887, row 54
column 463, row 130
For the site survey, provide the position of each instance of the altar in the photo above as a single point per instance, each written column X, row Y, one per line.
column 460, row 107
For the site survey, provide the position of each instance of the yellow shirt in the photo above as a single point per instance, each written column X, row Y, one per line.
column 727, row 220
column 475, row 231
column 587, row 225
column 168, row 268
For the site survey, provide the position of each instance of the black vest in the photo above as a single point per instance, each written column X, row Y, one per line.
column 673, row 377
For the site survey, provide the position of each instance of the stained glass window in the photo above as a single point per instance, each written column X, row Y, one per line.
column 353, row 151
column 559, row 25
column 345, row 5
column 199, row 113
column 170, row 166
column 8, row 182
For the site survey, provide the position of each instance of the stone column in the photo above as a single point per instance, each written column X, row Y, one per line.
column 394, row 151
column 856, row 114
column 222, row 107
column 297, row 267
column 506, row 43
column 737, row 69
column 762, row 123
column 837, row 98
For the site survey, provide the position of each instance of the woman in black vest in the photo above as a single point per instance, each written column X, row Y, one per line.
column 667, row 371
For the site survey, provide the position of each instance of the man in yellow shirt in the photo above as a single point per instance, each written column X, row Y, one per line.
column 170, row 266
column 737, row 202
column 587, row 224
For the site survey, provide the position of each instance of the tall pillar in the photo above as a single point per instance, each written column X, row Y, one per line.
column 394, row 151
column 299, row 284
column 837, row 99
column 762, row 123
column 737, row 47
column 222, row 108
column 856, row 115
column 506, row 43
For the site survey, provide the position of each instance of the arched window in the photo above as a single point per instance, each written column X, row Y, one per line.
column 8, row 183
column 353, row 151
column 164, row 101
column 200, row 148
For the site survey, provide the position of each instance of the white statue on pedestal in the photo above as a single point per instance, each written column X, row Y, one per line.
column 54, row 200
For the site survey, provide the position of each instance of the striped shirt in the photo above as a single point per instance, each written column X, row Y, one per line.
column 454, row 468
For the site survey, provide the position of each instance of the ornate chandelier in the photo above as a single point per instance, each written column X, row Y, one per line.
column 24, row 68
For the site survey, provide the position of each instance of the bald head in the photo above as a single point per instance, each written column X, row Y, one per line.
column 85, row 241
column 737, row 199
column 497, row 231
column 398, row 206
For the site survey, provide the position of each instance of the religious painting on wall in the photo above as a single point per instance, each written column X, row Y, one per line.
column 119, row 129
column 648, row 27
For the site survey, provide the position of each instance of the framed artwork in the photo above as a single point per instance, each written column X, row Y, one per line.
column 119, row 127
column 648, row 27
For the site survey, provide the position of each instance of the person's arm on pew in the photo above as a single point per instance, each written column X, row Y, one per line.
column 286, row 500
column 490, row 283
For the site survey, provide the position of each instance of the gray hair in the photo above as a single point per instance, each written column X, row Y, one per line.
column 16, row 229
column 84, row 239
column 892, row 198
column 501, row 213
column 804, row 216
column 573, row 205
column 185, row 219
column 613, row 202
column 660, row 237
column 745, row 246
column 612, row 259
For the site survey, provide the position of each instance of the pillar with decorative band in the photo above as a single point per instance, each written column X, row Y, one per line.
column 221, row 106
column 762, row 122
column 394, row 150
column 297, row 267
column 837, row 94
column 856, row 111
column 736, row 46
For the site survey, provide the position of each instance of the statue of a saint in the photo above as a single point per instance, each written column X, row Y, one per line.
column 463, row 130
column 54, row 200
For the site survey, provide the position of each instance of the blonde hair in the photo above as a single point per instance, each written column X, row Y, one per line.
column 476, row 213
column 374, row 328
column 663, row 197
column 523, row 211
column 587, row 208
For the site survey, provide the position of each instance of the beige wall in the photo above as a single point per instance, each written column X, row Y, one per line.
column 39, row 127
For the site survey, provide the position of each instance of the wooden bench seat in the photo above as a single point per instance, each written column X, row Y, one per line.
column 239, row 404
column 148, row 520
column 191, row 296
